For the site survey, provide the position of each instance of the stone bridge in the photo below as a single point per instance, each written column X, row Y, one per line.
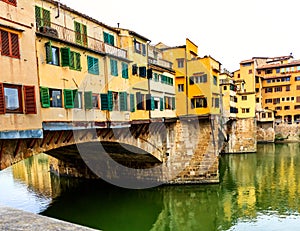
column 179, row 151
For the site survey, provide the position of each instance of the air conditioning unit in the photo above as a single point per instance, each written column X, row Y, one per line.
column 49, row 31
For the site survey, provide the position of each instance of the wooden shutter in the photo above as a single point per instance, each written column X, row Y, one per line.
column 114, row 67
column 148, row 102
column 161, row 104
column 149, row 73
column 77, row 99
column 72, row 59
column 123, row 101
column 5, row 43
column 106, row 37
column 144, row 49
column 29, row 99
column 46, row 18
column 84, row 35
column 173, row 103
column 45, row 97
column 125, row 70
column 132, row 103
column 111, row 39
column 134, row 69
column 139, row 103
column 88, row 100
column 38, row 20
column 2, row 100
column 142, row 71
column 104, row 101
column 15, row 50
column 49, row 56
column 68, row 98
column 77, row 29
column 110, row 100
column 65, row 56
column 78, row 61
column 152, row 103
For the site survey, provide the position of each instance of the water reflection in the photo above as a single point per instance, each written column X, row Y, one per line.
column 257, row 192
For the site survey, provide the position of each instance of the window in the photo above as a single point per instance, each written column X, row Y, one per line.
column 297, row 107
column 298, row 87
column 277, row 70
column 269, row 71
column 239, row 75
column 217, row 102
column 250, row 71
column 132, row 103
column 12, row 2
column 276, row 100
column 282, row 99
column 134, row 69
column 245, row 110
column 123, row 98
column 244, row 97
column 278, row 108
column 298, row 99
column 269, row 114
column 113, row 67
column 180, row 87
column 257, row 100
column 278, row 89
column 42, row 17
column 287, row 88
column 11, row 96
column 246, row 64
column 286, row 107
column 199, row 103
column 88, row 100
column 140, row 98
column 96, row 100
column 263, row 115
column 166, row 80
column 292, row 98
column 156, row 77
column 108, row 38
column 215, row 79
column 115, row 101
column 93, row 65
column 124, row 70
column 268, row 89
column 77, row 99
column 297, row 78
column 75, row 63
column 55, row 97
column 180, row 63
column 256, row 90
column 225, row 88
column 268, row 100
column 144, row 50
column 9, row 45
column 142, row 71
column 52, row 54
column 80, row 33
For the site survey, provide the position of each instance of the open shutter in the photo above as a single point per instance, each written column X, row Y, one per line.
column 65, row 56
column 88, row 101
column 134, row 69
column 2, row 100
column 72, row 60
column 78, row 62
column 204, row 102
column 38, row 16
column 123, row 101
column 5, row 43
column 77, row 99
column 49, row 56
column 132, row 103
column 106, row 37
column 77, row 28
column 45, row 97
column 161, row 104
column 152, row 103
column 15, row 50
column 173, row 103
column 84, row 35
column 46, row 18
column 104, row 101
column 29, row 98
column 68, row 98
column 148, row 102
column 110, row 100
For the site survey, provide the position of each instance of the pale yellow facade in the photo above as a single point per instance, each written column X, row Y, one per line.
column 19, row 91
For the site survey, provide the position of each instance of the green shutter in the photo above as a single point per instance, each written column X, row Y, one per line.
column 46, row 18
column 113, row 67
column 152, row 103
column 77, row 61
column 45, row 97
column 93, row 65
column 84, row 35
column 161, row 104
column 65, row 56
column 132, row 103
column 166, row 102
column 68, row 98
column 106, row 37
column 173, row 103
column 123, row 101
column 88, row 101
column 96, row 66
column 49, row 56
column 72, row 60
column 38, row 16
column 125, row 70
column 77, row 29
column 111, row 39
column 104, row 101
column 110, row 100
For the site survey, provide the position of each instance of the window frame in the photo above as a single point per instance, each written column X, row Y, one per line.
column 13, row 47
column 10, row 3
column 20, row 98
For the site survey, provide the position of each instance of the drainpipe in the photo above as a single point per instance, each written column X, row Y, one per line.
column 149, row 83
column 58, row 9
column 186, row 83
column 106, row 87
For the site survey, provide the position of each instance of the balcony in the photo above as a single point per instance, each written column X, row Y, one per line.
column 161, row 62
column 92, row 43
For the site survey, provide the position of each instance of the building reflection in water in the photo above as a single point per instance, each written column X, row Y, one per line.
column 255, row 190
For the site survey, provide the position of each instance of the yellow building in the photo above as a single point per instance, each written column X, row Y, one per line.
column 197, row 79
column 20, row 115
column 83, row 74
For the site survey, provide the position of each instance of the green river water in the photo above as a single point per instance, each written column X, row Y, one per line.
column 258, row 191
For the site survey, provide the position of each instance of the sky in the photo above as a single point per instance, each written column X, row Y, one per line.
column 228, row 30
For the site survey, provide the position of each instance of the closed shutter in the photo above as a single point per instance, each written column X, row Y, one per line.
column 111, row 40
column 88, row 101
column 134, row 69
column 77, row 99
column 46, row 18
column 149, row 73
column 29, row 99
column 161, row 104
column 144, row 49
column 49, row 56
column 152, row 103
column 78, row 61
column 65, row 56
column 114, row 67
column 45, row 97
column 84, row 35
column 123, row 101
column 38, row 20
column 139, row 105
column 110, row 100
column 125, row 70
column 72, row 60
column 104, row 101
column 77, row 29
column 106, row 37
column 5, row 43
column 2, row 100
column 68, row 98
column 142, row 71
column 132, row 103
column 148, row 102
column 173, row 103
column 15, row 50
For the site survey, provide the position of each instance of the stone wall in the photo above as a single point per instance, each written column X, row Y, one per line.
column 241, row 136
column 265, row 132
column 287, row 132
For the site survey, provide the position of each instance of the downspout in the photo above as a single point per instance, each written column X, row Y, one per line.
column 149, row 83
column 58, row 10
column 106, row 88
column 186, row 83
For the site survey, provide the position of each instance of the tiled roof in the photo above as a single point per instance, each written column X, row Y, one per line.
column 247, row 61
column 293, row 63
